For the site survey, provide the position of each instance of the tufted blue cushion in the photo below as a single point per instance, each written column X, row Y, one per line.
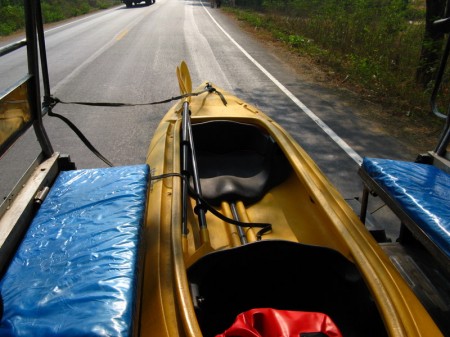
column 75, row 272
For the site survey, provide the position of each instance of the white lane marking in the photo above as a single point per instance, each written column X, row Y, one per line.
column 338, row 140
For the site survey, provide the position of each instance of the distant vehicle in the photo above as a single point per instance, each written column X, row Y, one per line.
column 130, row 3
column 216, row 3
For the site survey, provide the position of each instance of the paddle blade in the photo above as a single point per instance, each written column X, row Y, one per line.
column 185, row 74
column 180, row 82
column 184, row 79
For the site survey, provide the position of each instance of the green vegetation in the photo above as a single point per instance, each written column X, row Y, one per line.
column 11, row 11
column 372, row 44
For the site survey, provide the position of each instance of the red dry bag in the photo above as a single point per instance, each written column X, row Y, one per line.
column 281, row 323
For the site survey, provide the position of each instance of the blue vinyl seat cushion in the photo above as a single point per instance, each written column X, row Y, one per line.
column 422, row 191
column 76, row 270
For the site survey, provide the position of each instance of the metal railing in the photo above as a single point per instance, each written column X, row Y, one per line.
column 441, row 148
column 36, row 59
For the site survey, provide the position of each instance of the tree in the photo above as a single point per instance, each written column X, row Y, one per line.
column 432, row 43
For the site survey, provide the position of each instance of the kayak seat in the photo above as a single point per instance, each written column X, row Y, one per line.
column 284, row 275
column 75, row 272
column 237, row 161
column 420, row 196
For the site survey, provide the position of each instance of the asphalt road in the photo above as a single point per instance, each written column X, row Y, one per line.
column 130, row 55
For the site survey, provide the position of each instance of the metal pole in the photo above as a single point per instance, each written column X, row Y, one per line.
column 42, row 50
column 30, row 8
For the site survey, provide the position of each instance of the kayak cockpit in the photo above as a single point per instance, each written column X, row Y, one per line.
column 246, row 175
column 282, row 275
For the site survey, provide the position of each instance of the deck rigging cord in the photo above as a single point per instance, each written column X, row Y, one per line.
column 209, row 88
column 50, row 102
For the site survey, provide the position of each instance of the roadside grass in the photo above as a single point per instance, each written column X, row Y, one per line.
column 12, row 18
column 374, row 51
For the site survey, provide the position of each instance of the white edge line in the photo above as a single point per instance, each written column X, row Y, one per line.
column 338, row 140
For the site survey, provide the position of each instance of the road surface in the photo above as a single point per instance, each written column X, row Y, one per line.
column 130, row 55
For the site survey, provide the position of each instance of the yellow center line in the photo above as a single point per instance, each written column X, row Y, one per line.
column 121, row 35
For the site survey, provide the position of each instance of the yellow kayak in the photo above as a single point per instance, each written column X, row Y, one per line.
column 240, row 217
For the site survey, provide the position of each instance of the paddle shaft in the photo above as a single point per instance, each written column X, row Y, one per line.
column 241, row 232
column 184, row 170
column 187, row 141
